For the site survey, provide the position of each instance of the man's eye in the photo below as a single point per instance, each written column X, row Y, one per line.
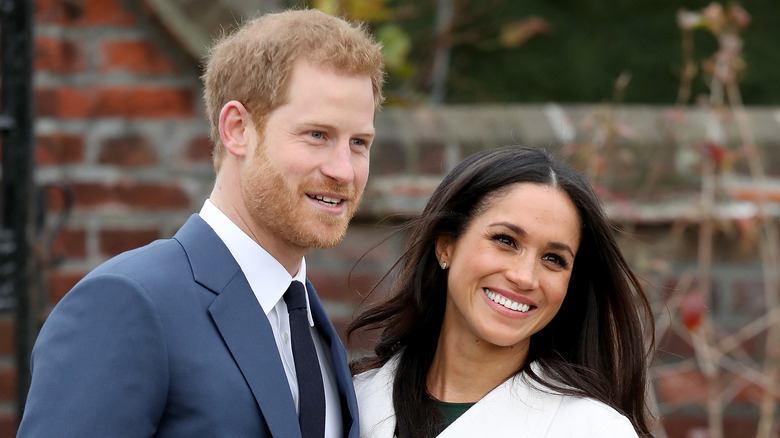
column 316, row 134
column 357, row 142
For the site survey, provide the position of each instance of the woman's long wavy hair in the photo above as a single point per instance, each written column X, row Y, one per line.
column 593, row 347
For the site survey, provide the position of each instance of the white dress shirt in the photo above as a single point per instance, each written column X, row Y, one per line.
column 269, row 281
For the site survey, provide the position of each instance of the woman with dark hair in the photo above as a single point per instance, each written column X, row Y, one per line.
column 514, row 313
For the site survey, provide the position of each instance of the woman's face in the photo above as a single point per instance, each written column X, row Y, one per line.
column 509, row 271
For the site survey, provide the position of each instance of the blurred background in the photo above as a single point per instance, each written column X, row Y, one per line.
column 670, row 108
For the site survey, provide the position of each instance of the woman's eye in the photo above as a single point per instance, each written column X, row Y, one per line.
column 556, row 259
column 505, row 240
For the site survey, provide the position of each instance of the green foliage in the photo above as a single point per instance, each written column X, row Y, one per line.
column 582, row 51
column 565, row 51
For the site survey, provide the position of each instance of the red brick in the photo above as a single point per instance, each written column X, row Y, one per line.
column 82, row 13
column 686, row 426
column 337, row 287
column 123, row 102
column 388, row 157
column 8, row 424
column 360, row 343
column 106, row 12
column 142, row 196
column 71, row 244
column 90, row 195
column 130, row 151
column 113, row 242
column 7, row 336
column 46, row 101
column 60, row 282
column 59, row 56
column 153, row 196
column 135, row 56
column 432, row 158
column 7, row 384
column 56, row 197
column 149, row 102
column 51, row 11
column 200, row 149
column 362, row 242
column 56, row 149
column 67, row 102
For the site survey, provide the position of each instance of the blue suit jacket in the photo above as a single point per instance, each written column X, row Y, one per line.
column 168, row 340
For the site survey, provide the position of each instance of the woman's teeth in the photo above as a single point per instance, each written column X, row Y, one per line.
column 506, row 302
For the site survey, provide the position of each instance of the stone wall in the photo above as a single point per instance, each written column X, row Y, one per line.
column 120, row 127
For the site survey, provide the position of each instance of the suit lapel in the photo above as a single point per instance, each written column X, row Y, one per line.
column 246, row 331
column 242, row 324
column 340, row 365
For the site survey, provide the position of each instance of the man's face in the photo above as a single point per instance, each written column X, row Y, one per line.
column 303, row 181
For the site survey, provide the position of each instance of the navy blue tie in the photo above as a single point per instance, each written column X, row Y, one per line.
column 311, row 393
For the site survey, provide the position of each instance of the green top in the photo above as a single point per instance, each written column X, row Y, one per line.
column 451, row 411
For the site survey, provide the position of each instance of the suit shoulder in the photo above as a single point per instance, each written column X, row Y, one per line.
column 157, row 269
column 157, row 255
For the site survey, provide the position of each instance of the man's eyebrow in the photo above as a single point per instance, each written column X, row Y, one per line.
column 367, row 131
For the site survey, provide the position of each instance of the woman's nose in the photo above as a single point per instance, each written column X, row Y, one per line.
column 522, row 272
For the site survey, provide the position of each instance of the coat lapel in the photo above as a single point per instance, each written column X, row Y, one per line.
column 517, row 408
column 340, row 365
column 242, row 324
column 374, row 390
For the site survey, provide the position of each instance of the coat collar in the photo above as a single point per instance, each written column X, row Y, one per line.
column 212, row 264
column 518, row 407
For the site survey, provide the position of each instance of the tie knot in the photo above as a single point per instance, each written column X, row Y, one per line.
column 295, row 297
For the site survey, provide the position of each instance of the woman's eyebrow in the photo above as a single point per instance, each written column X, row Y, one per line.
column 560, row 246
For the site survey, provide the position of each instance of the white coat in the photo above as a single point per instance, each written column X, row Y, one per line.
column 517, row 408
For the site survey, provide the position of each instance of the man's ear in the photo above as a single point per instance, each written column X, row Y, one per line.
column 235, row 124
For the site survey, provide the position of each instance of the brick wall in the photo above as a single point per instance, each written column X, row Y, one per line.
column 119, row 123
column 120, row 126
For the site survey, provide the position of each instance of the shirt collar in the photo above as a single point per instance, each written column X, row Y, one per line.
column 265, row 275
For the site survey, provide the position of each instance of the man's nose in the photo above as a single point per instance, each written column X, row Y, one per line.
column 338, row 165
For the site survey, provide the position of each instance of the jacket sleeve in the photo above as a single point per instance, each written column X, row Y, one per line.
column 99, row 365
